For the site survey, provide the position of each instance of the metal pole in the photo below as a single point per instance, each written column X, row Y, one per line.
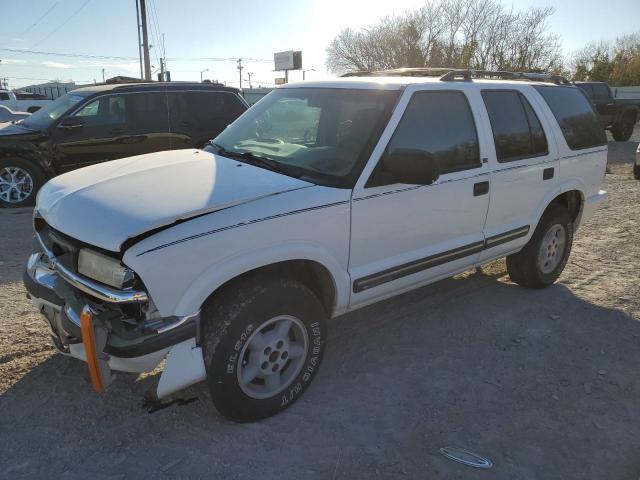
column 139, row 42
column 145, row 41
column 240, row 70
column 103, row 75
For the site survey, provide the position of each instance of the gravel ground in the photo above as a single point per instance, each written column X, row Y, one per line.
column 544, row 383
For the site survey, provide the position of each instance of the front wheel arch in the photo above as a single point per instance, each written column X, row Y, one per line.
column 312, row 274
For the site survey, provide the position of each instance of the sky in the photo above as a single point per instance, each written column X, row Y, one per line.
column 253, row 30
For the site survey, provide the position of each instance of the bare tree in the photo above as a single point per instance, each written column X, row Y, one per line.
column 452, row 33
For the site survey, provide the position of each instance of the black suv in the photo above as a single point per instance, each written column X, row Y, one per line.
column 105, row 122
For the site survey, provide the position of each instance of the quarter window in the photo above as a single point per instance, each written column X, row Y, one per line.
column 441, row 125
column 580, row 124
column 517, row 132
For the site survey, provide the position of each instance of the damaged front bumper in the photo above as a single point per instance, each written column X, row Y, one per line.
column 112, row 336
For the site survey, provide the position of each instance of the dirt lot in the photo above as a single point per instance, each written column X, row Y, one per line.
column 544, row 383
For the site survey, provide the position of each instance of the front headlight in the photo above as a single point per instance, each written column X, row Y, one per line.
column 103, row 268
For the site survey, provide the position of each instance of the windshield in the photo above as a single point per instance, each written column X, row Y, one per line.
column 52, row 111
column 323, row 135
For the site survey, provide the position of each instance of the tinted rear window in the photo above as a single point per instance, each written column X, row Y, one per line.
column 600, row 91
column 517, row 132
column 214, row 106
column 578, row 121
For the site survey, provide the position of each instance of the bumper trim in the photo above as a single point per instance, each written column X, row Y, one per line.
column 91, row 287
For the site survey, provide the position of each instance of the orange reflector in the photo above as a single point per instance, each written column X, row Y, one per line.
column 89, row 342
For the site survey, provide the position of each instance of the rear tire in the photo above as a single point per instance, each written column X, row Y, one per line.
column 623, row 130
column 542, row 260
column 263, row 340
column 20, row 181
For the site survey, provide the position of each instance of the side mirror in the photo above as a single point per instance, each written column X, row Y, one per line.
column 71, row 123
column 415, row 167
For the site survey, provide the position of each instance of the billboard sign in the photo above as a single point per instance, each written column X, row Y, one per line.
column 288, row 60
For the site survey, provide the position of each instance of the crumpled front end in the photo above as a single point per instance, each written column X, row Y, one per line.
column 110, row 329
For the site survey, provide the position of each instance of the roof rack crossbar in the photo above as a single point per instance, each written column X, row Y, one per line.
column 455, row 74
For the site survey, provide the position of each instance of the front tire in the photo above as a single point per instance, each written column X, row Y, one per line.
column 542, row 260
column 20, row 181
column 263, row 341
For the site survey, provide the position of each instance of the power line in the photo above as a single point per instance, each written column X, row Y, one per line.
column 116, row 57
column 63, row 23
column 39, row 19
column 154, row 32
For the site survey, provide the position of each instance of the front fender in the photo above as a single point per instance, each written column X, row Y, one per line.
column 183, row 265
column 220, row 273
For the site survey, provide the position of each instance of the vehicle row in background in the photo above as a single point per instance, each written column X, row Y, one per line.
column 105, row 122
column 8, row 115
column 22, row 101
column 619, row 115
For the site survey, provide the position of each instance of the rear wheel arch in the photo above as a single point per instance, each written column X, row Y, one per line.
column 572, row 200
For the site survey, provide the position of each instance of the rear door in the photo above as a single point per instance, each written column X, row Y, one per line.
column 402, row 234
column 524, row 164
column 149, row 123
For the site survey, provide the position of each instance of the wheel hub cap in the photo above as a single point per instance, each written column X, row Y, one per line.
column 15, row 184
column 272, row 357
column 552, row 248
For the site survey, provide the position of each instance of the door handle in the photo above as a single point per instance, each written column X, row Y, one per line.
column 481, row 188
column 548, row 173
column 117, row 130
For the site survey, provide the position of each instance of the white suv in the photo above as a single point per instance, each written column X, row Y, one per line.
column 320, row 199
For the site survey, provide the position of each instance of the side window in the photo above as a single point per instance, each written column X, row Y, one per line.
column 440, row 124
column 580, row 124
column 107, row 110
column 517, row 132
column 587, row 88
column 213, row 108
column 148, row 111
column 4, row 96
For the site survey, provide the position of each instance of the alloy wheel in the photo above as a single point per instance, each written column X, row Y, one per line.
column 16, row 184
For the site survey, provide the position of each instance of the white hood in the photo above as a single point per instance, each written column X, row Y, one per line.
column 106, row 204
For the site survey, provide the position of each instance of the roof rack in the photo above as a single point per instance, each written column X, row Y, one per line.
column 453, row 74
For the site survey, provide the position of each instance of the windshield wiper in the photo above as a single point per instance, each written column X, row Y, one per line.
column 257, row 160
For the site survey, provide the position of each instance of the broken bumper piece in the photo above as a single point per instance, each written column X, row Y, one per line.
column 82, row 327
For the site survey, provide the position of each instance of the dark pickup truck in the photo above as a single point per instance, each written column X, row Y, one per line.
column 619, row 115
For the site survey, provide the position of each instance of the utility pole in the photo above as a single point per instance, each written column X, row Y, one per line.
column 250, row 74
column 145, row 41
column 240, row 70
column 139, row 41
column 103, row 75
column 162, row 69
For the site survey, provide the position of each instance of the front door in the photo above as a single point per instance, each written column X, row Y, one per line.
column 101, row 137
column 403, row 235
